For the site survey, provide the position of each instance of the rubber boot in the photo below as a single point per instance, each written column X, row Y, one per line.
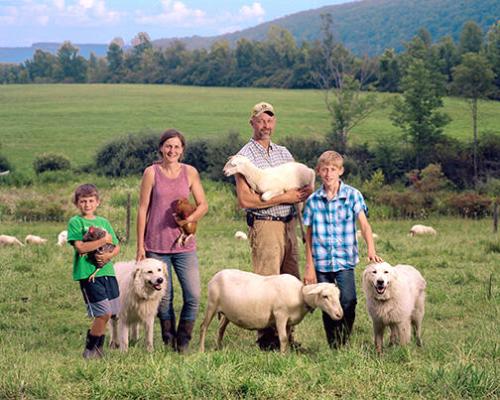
column 100, row 345
column 168, row 332
column 91, row 351
column 184, row 332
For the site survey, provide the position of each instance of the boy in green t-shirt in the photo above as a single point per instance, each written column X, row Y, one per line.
column 100, row 292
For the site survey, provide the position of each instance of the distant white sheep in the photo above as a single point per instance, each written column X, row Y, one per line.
column 240, row 235
column 254, row 301
column 33, row 239
column 422, row 230
column 10, row 240
column 3, row 173
column 271, row 182
column 62, row 238
column 359, row 235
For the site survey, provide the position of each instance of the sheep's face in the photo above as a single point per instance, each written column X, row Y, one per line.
column 326, row 296
column 378, row 277
column 234, row 163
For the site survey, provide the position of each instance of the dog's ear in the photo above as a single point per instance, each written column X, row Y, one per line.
column 165, row 271
column 138, row 281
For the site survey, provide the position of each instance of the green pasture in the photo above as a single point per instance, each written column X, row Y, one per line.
column 43, row 322
column 76, row 120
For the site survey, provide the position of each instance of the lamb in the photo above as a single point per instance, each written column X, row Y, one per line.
column 33, row 239
column 422, row 230
column 270, row 182
column 240, row 235
column 183, row 209
column 10, row 240
column 254, row 301
column 62, row 238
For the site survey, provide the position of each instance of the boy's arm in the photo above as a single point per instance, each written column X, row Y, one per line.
column 366, row 232
column 309, row 272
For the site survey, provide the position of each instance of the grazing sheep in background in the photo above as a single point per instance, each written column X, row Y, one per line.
column 62, row 238
column 271, row 182
column 142, row 285
column 10, row 240
column 3, row 173
column 183, row 209
column 422, row 230
column 33, row 239
column 358, row 235
column 395, row 297
column 254, row 301
column 240, row 235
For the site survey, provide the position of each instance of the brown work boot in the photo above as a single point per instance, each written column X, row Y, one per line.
column 184, row 332
column 168, row 332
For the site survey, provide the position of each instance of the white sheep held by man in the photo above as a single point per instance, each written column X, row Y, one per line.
column 254, row 301
column 422, row 230
column 273, row 181
column 10, row 240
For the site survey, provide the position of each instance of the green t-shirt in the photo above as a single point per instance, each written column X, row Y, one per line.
column 82, row 268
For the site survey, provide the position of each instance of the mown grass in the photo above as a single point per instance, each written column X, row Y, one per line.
column 43, row 323
column 76, row 120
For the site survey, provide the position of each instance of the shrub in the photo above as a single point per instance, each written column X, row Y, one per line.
column 5, row 164
column 16, row 179
column 127, row 155
column 197, row 154
column 51, row 162
column 218, row 152
column 404, row 204
column 56, row 177
column 305, row 150
column 470, row 204
column 35, row 210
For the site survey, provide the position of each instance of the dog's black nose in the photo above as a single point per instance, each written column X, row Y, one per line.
column 159, row 280
column 380, row 281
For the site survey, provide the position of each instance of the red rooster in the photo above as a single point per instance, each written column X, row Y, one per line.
column 183, row 209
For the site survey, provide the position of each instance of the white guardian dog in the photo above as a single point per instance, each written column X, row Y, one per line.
column 395, row 297
column 142, row 285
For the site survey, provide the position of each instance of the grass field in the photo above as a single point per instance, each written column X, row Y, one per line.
column 43, row 323
column 76, row 120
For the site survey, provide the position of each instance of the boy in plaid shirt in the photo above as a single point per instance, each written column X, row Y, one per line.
column 330, row 215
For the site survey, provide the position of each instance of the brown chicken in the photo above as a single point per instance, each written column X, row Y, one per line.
column 95, row 233
column 183, row 209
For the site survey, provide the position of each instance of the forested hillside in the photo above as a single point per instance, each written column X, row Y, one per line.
column 370, row 26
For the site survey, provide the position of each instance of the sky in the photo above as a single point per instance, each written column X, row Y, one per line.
column 23, row 22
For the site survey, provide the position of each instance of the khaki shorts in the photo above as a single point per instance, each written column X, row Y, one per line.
column 274, row 248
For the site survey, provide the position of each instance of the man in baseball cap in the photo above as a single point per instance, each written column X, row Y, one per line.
column 271, row 223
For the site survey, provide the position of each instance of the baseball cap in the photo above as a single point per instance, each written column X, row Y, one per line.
column 260, row 108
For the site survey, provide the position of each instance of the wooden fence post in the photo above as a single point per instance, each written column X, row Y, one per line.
column 495, row 218
column 127, row 232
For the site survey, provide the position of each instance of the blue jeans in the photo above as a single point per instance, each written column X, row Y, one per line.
column 186, row 268
column 337, row 332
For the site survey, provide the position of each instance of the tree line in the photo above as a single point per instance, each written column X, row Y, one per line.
column 277, row 62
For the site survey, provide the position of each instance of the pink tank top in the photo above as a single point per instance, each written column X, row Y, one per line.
column 161, row 228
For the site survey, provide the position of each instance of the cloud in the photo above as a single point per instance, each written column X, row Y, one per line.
column 253, row 11
column 175, row 12
column 59, row 12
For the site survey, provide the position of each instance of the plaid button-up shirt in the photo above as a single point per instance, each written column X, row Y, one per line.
column 333, row 224
column 261, row 158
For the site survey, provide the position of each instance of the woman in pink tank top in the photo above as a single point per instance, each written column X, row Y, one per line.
column 157, row 231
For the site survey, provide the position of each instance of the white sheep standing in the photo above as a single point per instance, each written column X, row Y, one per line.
column 33, row 239
column 273, row 181
column 254, row 301
column 62, row 238
column 240, row 235
column 10, row 240
column 422, row 230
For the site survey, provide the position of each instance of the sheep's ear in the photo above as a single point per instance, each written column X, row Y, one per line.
column 312, row 289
